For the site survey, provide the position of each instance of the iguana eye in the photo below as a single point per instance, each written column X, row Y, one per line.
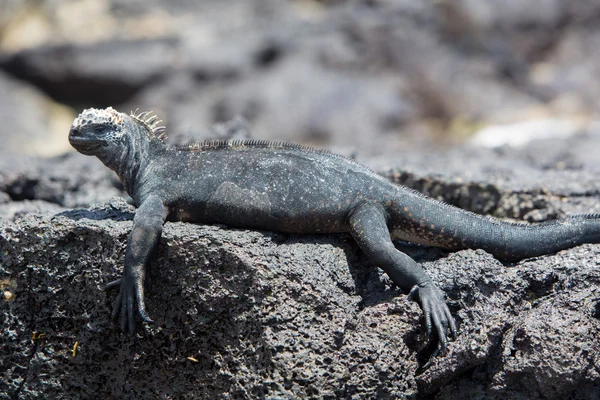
column 100, row 129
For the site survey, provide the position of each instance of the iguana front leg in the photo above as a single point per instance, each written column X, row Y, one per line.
column 369, row 228
column 147, row 228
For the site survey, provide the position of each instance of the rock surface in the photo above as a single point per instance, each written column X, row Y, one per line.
column 246, row 314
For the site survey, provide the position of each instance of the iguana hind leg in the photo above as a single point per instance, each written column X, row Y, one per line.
column 369, row 228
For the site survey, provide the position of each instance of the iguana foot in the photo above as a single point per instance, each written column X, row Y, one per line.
column 131, row 291
column 437, row 315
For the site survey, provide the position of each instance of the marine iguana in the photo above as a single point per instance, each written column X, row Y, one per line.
column 290, row 188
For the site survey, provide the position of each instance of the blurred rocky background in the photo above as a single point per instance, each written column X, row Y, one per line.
column 489, row 105
column 361, row 74
column 395, row 83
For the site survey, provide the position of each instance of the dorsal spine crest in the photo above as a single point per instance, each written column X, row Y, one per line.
column 216, row 144
column 151, row 122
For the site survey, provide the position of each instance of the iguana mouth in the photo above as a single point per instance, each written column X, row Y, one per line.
column 75, row 138
column 82, row 143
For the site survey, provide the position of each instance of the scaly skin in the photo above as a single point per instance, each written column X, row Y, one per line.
column 289, row 188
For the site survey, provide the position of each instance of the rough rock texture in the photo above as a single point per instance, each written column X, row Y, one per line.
column 246, row 314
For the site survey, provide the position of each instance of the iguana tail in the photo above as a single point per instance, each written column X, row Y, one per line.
column 419, row 219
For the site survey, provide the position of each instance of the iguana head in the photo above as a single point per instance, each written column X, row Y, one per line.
column 98, row 132
column 95, row 132
column 119, row 140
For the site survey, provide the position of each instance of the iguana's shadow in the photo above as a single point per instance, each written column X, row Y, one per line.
column 370, row 282
column 97, row 214
column 374, row 286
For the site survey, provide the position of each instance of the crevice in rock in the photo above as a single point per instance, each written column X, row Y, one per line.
column 17, row 393
column 268, row 55
column 596, row 313
column 539, row 288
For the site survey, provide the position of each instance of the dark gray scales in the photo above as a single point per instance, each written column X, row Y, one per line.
column 291, row 188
